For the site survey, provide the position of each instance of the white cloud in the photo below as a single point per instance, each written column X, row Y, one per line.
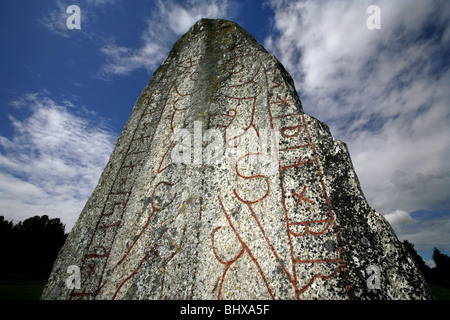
column 55, row 19
column 379, row 90
column 398, row 218
column 53, row 162
column 384, row 92
column 165, row 25
column 430, row 263
column 122, row 60
column 180, row 18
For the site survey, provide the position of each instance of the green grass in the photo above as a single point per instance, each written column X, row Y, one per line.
column 32, row 290
column 440, row 293
column 21, row 290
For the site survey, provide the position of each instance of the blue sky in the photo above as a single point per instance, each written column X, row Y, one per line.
column 65, row 95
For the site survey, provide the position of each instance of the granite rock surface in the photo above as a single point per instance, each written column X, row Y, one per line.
column 221, row 187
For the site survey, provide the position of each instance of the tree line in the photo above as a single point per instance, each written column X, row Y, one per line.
column 439, row 275
column 30, row 247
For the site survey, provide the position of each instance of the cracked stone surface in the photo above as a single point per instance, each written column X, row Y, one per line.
column 221, row 187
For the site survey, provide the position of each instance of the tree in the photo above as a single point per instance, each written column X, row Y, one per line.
column 6, row 235
column 5, row 226
column 30, row 247
column 442, row 269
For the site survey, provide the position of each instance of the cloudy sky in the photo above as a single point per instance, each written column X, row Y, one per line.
column 65, row 94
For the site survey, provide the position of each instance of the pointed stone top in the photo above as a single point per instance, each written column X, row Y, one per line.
column 220, row 47
column 220, row 32
column 215, row 24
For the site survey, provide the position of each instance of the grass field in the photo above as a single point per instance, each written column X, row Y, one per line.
column 440, row 293
column 31, row 290
column 21, row 290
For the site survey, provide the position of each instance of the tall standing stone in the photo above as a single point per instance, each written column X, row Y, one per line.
column 221, row 187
